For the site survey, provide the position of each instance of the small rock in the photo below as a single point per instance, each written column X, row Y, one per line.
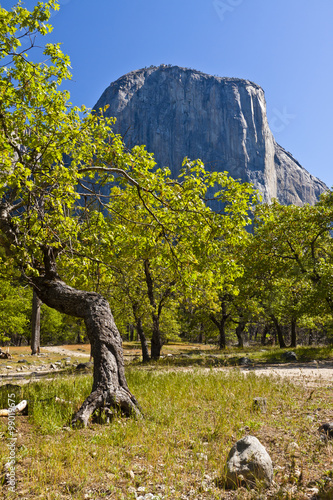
column 244, row 361
column 9, row 367
column 84, row 366
column 290, row 356
column 327, row 429
column 248, row 462
column 22, row 361
column 260, row 404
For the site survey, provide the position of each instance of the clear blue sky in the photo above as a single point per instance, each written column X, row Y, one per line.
column 286, row 46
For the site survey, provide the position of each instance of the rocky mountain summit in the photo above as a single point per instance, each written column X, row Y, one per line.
column 178, row 112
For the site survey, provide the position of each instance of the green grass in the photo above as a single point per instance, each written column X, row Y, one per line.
column 180, row 448
column 304, row 354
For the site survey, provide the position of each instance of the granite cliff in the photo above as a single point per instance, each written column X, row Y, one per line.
column 179, row 112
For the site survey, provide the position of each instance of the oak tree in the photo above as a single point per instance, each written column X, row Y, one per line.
column 39, row 223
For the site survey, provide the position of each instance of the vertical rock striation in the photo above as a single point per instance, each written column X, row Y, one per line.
column 179, row 112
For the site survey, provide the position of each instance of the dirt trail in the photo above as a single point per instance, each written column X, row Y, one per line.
column 313, row 374
column 310, row 374
column 66, row 352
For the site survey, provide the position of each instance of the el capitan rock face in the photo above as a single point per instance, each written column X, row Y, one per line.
column 179, row 112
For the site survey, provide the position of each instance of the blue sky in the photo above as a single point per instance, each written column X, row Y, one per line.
column 286, row 46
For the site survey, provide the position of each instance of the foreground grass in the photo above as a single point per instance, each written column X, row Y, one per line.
column 179, row 450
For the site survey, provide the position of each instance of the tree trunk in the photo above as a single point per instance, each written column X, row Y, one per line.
column 140, row 332
column 201, row 330
column 222, row 339
column 293, row 333
column 35, row 324
column 239, row 332
column 143, row 340
column 278, row 331
column 310, row 341
column 223, row 321
column 220, row 323
column 109, row 384
column 264, row 335
column 131, row 332
column 156, row 340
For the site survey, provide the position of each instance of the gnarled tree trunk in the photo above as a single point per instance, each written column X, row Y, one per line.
column 109, row 385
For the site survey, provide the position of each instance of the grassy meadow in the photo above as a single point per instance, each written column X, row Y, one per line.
column 192, row 417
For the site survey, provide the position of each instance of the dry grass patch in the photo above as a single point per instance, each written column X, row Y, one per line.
column 179, row 450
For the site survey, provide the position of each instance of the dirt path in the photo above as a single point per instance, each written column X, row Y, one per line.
column 313, row 374
column 64, row 352
column 310, row 374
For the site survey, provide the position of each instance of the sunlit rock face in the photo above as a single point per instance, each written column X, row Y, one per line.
column 179, row 112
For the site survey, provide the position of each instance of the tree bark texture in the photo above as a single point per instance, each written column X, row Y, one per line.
column 109, row 384
column 35, row 324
